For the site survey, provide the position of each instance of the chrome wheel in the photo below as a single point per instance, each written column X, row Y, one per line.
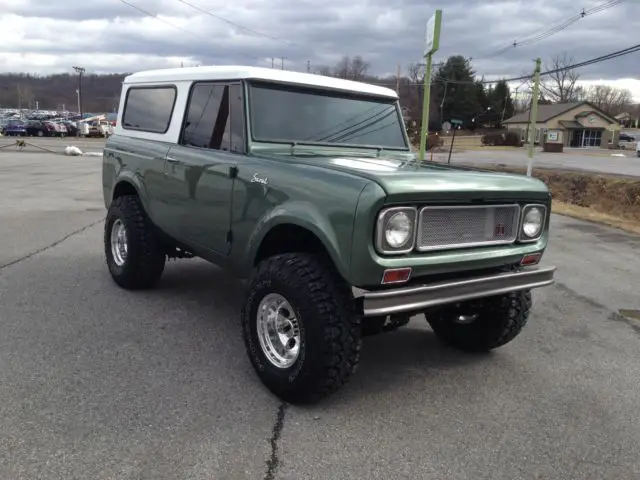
column 278, row 331
column 119, row 244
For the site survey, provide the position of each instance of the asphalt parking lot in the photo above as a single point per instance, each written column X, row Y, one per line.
column 99, row 383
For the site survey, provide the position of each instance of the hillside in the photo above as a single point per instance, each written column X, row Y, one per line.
column 100, row 93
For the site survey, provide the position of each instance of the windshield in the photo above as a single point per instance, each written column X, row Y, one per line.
column 285, row 113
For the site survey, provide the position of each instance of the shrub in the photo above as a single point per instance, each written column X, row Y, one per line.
column 495, row 139
column 512, row 139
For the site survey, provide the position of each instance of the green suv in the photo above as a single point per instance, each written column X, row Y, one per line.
column 307, row 187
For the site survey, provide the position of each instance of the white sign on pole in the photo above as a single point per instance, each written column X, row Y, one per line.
column 432, row 35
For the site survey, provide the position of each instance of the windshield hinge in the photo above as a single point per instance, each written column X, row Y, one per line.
column 229, row 236
column 233, row 171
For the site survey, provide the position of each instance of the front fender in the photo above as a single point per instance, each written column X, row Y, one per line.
column 334, row 233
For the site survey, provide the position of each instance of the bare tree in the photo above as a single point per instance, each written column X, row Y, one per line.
column 342, row 68
column 611, row 100
column 359, row 68
column 323, row 70
column 351, row 68
column 416, row 72
column 560, row 86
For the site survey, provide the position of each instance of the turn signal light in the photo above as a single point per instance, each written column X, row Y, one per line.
column 396, row 275
column 530, row 259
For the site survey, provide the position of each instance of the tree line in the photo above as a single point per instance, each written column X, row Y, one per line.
column 456, row 91
column 100, row 93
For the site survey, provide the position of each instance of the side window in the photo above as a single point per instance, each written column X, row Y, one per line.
column 237, row 119
column 207, row 118
column 149, row 108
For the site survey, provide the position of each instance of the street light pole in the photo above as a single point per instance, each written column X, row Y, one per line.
column 80, row 71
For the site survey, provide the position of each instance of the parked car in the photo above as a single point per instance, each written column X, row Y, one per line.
column 307, row 187
column 14, row 129
column 72, row 128
column 625, row 137
column 59, row 129
column 36, row 128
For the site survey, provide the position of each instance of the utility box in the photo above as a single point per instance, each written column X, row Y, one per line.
column 553, row 141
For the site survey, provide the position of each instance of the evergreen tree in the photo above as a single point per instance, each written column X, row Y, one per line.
column 501, row 103
column 454, row 82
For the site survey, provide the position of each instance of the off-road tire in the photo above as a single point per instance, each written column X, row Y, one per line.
column 330, row 339
column 500, row 320
column 146, row 257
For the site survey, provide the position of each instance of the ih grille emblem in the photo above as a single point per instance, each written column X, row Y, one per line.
column 499, row 230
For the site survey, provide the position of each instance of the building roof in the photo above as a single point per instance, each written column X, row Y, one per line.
column 570, row 124
column 234, row 72
column 547, row 112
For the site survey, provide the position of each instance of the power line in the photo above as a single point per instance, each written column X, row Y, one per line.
column 555, row 29
column 226, row 20
column 150, row 14
column 585, row 63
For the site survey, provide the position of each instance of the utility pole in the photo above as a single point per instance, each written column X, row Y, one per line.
column 80, row 71
column 398, row 80
column 281, row 63
column 308, row 66
column 534, row 115
column 432, row 43
column 271, row 62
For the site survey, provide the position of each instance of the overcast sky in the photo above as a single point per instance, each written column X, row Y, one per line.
column 43, row 36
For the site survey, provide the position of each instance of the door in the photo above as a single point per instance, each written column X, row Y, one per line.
column 204, row 165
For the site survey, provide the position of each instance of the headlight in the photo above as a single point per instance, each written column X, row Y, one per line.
column 398, row 230
column 395, row 232
column 532, row 222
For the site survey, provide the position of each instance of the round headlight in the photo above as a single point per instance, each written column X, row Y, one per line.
column 398, row 230
column 532, row 223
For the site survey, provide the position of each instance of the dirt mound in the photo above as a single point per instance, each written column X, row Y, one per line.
column 608, row 194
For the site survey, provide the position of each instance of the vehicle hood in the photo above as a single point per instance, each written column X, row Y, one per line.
column 405, row 180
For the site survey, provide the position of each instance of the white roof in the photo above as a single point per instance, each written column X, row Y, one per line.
column 233, row 72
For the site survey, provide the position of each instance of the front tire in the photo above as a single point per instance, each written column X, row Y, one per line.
column 133, row 253
column 482, row 325
column 300, row 327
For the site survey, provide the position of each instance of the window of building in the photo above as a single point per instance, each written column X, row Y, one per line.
column 149, row 109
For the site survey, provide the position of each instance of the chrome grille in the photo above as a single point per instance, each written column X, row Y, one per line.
column 443, row 228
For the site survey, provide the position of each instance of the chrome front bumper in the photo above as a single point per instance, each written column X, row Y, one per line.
column 416, row 298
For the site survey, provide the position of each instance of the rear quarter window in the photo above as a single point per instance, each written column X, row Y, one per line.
column 149, row 109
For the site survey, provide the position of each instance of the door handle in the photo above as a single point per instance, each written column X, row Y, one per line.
column 172, row 160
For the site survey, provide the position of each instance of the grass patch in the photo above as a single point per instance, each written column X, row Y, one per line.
column 582, row 213
column 612, row 200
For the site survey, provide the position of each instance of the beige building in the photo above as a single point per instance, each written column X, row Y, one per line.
column 579, row 124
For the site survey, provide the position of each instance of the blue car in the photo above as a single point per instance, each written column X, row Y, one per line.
column 16, row 129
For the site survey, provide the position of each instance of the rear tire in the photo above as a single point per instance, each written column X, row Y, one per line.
column 498, row 321
column 323, row 347
column 134, row 255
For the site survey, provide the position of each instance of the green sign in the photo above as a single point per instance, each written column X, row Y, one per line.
column 456, row 122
